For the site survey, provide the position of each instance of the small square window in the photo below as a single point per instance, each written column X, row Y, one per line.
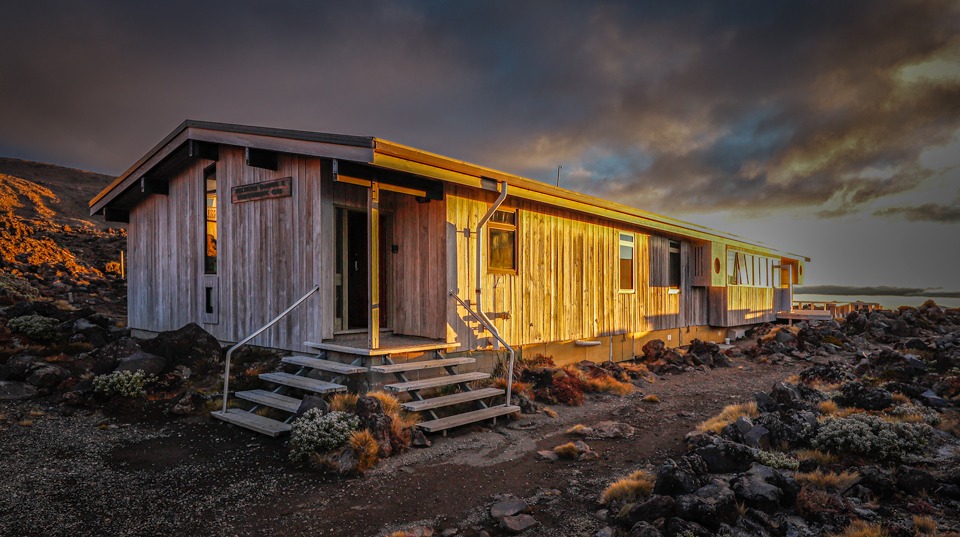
column 502, row 240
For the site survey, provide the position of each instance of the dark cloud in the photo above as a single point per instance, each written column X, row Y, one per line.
column 928, row 212
column 696, row 106
column 881, row 290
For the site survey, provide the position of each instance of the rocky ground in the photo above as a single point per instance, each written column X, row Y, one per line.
column 791, row 453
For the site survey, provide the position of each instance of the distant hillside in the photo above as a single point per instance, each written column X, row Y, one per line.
column 49, row 246
column 72, row 188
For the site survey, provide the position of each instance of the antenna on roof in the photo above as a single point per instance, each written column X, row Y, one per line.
column 560, row 167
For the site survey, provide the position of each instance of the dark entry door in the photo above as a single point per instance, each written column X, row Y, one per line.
column 358, row 290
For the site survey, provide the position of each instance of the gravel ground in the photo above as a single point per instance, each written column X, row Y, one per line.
column 78, row 473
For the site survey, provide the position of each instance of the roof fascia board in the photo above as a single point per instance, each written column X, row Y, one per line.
column 231, row 135
column 398, row 157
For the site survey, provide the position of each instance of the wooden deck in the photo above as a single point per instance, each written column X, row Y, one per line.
column 805, row 315
column 389, row 344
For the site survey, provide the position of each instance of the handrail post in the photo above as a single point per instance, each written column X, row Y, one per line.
column 226, row 365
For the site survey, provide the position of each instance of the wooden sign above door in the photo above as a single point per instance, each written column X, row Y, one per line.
column 275, row 188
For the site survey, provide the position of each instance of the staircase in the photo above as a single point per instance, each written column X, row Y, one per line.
column 283, row 398
column 479, row 397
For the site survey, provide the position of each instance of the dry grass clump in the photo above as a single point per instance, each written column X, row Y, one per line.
column 950, row 423
column 365, row 449
column 859, row 528
column 637, row 485
column 828, row 480
column 518, row 388
column 925, row 525
column 344, row 402
column 822, row 458
column 567, row 451
column 550, row 412
column 607, row 384
column 651, row 398
column 580, row 429
column 828, row 407
column 632, row 367
column 900, row 399
column 728, row 415
column 390, row 404
column 25, row 423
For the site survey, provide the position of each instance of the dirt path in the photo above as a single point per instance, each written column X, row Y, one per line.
column 80, row 475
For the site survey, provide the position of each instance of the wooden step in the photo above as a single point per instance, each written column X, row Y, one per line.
column 324, row 365
column 447, row 400
column 422, row 364
column 434, row 382
column 270, row 399
column 303, row 383
column 467, row 417
column 254, row 422
column 395, row 349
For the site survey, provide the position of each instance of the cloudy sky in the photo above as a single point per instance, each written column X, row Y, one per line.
column 826, row 128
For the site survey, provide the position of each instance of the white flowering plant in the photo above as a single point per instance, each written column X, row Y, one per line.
column 316, row 432
column 872, row 437
column 125, row 383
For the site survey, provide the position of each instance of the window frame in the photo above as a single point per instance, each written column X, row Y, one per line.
column 502, row 226
column 210, row 173
column 671, row 250
column 632, row 244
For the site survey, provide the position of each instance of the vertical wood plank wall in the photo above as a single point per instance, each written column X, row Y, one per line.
column 269, row 253
column 736, row 305
column 567, row 284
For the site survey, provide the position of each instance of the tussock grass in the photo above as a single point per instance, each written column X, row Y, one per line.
column 651, row 398
column 521, row 388
column 828, row 407
column 25, row 423
column 607, row 384
column 344, row 402
column 925, row 525
column 900, row 399
column 365, row 449
column 550, row 412
column 390, row 404
column 822, row 458
column 567, row 451
column 637, row 485
column 728, row 415
column 859, row 528
column 632, row 367
column 580, row 429
column 827, row 480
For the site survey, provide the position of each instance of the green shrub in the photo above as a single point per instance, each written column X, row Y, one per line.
column 872, row 437
column 35, row 327
column 316, row 432
column 125, row 383
column 16, row 287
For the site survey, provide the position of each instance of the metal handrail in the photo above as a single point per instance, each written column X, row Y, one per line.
column 496, row 334
column 226, row 366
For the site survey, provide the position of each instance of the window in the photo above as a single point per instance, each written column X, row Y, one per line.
column 210, row 220
column 627, row 249
column 502, row 235
column 674, row 280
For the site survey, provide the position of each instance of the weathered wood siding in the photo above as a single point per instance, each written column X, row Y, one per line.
column 736, row 305
column 267, row 253
column 567, row 283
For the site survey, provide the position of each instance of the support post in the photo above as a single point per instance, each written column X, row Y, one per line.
column 373, row 271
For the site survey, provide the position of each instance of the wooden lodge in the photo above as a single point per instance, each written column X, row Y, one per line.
column 229, row 225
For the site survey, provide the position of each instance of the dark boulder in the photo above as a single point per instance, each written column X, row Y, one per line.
column 21, row 364
column 649, row 510
column 877, row 480
column 653, row 349
column 725, row 457
column 681, row 477
column 644, row 529
column 47, row 375
column 150, row 364
column 678, row 527
column 915, row 481
column 372, row 417
column 711, row 505
column 105, row 359
column 931, row 399
column 787, row 395
column 13, row 391
column 189, row 345
column 859, row 395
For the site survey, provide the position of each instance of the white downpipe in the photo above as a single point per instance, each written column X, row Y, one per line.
column 482, row 317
